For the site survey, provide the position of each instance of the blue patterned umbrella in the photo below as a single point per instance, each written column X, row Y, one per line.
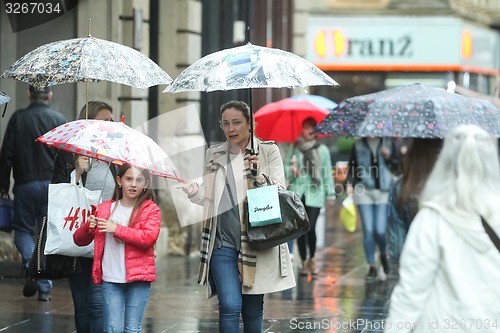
column 411, row 111
column 320, row 101
column 86, row 59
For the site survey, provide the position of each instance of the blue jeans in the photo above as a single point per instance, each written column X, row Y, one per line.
column 374, row 221
column 30, row 206
column 225, row 276
column 124, row 305
column 87, row 299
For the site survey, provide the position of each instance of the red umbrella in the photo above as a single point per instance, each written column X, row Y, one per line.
column 282, row 121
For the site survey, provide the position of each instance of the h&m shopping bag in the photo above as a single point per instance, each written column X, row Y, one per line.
column 69, row 208
column 263, row 206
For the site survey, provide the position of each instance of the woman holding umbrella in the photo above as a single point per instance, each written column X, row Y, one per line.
column 238, row 274
column 309, row 169
column 95, row 175
column 369, row 180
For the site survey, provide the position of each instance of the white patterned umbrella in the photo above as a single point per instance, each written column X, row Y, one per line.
column 249, row 66
column 112, row 142
column 86, row 59
column 4, row 98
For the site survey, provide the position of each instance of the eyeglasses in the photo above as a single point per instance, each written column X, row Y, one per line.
column 226, row 124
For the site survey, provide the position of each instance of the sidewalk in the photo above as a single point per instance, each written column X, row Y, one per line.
column 338, row 300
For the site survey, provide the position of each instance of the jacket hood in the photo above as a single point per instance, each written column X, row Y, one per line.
column 467, row 225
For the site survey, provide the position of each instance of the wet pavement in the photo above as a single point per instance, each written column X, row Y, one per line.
column 339, row 299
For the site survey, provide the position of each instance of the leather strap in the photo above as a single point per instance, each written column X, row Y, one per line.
column 493, row 236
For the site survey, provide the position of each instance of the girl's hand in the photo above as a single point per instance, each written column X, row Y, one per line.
column 92, row 221
column 104, row 225
column 189, row 188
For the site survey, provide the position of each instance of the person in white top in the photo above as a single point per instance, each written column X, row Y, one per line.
column 450, row 267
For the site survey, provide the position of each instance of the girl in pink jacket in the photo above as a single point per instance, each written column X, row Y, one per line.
column 124, row 232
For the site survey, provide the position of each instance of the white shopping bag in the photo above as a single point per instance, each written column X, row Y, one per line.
column 69, row 208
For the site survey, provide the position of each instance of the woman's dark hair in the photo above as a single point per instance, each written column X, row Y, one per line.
column 94, row 108
column 417, row 166
column 309, row 121
column 148, row 192
column 238, row 105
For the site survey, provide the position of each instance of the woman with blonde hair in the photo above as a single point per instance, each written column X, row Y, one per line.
column 450, row 267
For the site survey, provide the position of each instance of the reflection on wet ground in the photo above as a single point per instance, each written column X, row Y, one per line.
column 338, row 300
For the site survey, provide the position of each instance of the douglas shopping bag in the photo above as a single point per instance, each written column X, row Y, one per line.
column 348, row 214
column 69, row 208
column 263, row 206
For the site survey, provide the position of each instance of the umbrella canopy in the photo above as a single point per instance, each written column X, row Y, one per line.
column 318, row 100
column 86, row 59
column 249, row 66
column 112, row 142
column 412, row 111
column 4, row 98
column 282, row 121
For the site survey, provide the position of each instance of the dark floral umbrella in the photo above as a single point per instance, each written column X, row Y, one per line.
column 411, row 111
column 86, row 59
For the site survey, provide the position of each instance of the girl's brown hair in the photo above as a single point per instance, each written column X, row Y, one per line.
column 146, row 194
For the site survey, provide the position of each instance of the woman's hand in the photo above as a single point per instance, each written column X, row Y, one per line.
column 104, row 225
column 82, row 164
column 386, row 152
column 349, row 189
column 254, row 165
column 189, row 188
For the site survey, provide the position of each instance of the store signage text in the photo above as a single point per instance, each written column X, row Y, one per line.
column 336, row 44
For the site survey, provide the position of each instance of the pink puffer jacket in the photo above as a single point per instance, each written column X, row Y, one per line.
column 139, row 241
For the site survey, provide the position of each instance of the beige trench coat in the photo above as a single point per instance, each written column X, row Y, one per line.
column 274, row 270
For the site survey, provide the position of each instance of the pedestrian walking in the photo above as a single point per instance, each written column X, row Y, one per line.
column 449, row 268
column 31, row 163
column 369, row 180
column 231, row 269
column 124, row 232
column 308, row 167
column 94, row 175
column 404, row 194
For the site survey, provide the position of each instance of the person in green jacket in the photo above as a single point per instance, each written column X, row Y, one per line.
column 308, row 168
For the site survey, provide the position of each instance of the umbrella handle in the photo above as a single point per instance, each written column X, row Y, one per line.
column 254, row 169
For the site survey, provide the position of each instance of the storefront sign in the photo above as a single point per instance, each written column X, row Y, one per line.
column 401, row 43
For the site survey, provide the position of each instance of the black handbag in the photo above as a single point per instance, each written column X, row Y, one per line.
column 295, row 223
column 51, row 266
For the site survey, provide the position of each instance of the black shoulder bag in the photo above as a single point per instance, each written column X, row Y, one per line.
column 295, row 223
column 51, row 266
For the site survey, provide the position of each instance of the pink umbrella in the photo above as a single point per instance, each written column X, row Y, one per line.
column 282, row 121
column 112, row 142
